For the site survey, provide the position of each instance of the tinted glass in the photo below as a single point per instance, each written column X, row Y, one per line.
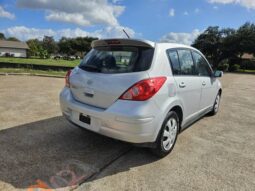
column 174, row 62
column 202, row 66
column 117, row 59
column 186, row 62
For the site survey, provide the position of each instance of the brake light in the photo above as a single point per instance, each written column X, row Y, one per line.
column 113, row 42
column 67, row 78
column 144, row 90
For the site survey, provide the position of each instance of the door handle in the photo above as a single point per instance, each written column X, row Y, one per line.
column 182, row 85
column 203, row 83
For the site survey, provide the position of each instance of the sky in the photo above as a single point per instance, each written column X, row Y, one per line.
column 178, row 21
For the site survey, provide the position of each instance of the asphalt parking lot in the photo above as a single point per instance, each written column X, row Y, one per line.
column 39, row 148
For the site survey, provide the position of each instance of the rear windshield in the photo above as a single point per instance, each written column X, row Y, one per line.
column 117, row 59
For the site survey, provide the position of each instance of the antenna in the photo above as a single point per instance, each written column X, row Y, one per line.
column 126, row 33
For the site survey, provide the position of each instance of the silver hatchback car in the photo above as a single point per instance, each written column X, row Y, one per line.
column 140, row 92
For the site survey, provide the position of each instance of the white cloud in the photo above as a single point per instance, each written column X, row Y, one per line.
column 215, row 7
column 6, row 14
column 114, row 32
column 181, row 38
column 25, row 33
column 83, row 13
column 116, row 1
column 171, row 12
column 250, row 4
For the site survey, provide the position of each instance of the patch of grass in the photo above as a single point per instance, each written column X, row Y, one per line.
column 23, row 70
column 37, row 61
column 248, row 71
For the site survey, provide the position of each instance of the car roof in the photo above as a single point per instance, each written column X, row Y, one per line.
column 174, row 45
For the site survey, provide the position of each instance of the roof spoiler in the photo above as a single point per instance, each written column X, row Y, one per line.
column 122, row 42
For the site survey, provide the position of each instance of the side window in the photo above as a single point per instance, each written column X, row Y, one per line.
column 201, row 65
column 173, row 56
column 186, row 62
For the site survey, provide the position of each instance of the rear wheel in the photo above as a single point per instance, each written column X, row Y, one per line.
column 168, row 135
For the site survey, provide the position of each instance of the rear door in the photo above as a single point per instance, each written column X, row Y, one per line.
column 187, row 81
column 106, row 72
column 208, row 84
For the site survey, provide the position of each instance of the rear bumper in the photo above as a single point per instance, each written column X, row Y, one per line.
column 135, row 122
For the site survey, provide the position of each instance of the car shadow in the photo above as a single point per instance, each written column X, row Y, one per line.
column 53, row 153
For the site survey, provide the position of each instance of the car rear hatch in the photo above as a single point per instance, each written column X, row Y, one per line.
column 109, row 69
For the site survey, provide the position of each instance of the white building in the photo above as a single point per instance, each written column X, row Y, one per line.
column 13, row 48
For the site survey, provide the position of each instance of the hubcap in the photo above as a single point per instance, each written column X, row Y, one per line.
column 217, row 103
column 169, row 135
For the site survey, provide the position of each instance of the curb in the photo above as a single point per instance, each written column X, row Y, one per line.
column 29, row 74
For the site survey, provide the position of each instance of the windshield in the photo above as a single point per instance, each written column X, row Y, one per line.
column 117, row 59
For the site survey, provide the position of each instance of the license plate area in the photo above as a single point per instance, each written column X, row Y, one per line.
column 85, row 119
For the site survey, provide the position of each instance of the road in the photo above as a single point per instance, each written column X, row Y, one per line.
column 40, row 149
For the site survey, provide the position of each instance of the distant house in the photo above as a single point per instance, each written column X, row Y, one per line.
column 13, row 48
column 247, row 56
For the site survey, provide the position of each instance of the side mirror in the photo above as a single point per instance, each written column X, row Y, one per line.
column 218, row 74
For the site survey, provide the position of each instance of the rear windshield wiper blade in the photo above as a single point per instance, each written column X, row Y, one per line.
column 90, row 68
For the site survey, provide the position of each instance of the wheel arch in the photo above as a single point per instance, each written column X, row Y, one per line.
column 220, row 91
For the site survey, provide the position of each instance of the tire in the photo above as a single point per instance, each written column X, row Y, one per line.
column 168, row 135
column 216, row 105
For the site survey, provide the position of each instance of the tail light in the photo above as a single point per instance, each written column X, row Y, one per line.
column 67, row 78
column 144, row 90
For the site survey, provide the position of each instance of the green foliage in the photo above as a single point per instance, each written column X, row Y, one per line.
column 220, row 44
column 246, row 39
column 34, row 47
column 248, row 65
column 66, row 46
column 75, row 46
column 13, row 39
column 223, row 66
column 234, row 68
column 49, row 45
column 2, row 37
column 37, row 61
column 43, row 54
column 209, row 43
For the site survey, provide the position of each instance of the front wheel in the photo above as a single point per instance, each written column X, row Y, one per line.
column 167, row 135
column 216, row 105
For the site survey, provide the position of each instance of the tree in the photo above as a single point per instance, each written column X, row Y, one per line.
column 210, row 43
column 245, row 39
column 227, row 44
column 35, row 46
column 65, row 46
column 50, row 45
column 13, row 39
column 82, row 45
column 2, row 37
column 75, row 46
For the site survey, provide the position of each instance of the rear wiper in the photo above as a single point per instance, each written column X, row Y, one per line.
column 90, row 68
